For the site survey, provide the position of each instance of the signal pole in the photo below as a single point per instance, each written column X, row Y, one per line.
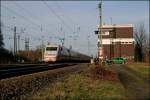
column 42, row 48
column 100, row 46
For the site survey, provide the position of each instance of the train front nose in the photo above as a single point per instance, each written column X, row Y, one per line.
column 50, row 54
column 50, row 58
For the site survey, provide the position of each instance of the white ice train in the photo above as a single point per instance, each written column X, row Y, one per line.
column 57, row 53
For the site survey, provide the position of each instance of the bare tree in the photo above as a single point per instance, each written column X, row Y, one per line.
column 140, row 42
column 1, row 36
column 5, row 55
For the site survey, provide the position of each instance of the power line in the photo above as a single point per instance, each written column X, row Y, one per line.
column 22, row 17
column 26, row 19
column 31, row 14
column 68, row 18
column 67, row 26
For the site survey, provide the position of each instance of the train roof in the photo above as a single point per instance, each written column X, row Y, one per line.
column 51, row 45
column 56, row 45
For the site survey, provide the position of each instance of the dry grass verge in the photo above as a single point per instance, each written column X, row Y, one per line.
column 103, row 73
column 94, row 83
column 141, row 69
column 134, row 80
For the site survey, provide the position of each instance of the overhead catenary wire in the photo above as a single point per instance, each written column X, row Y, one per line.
column 33, row 26
column 53, row 11
column 68, row 18
column 23, row 17
column 31, row 14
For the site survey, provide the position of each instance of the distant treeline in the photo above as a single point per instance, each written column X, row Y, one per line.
column 5, row 55
column 32, row 56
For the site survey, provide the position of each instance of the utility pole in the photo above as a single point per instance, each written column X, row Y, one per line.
column 42, row 48
column 19, row 35
column 120, row 47
column 100, row 46
column 62, row 39
column 18, row 42
column 15, row 42
column 88, row 45
column 111, row 20
column 10, row 48
column 27, row 44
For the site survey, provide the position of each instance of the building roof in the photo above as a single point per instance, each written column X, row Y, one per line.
column 116, row 25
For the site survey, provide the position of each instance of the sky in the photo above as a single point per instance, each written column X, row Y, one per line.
column 75, row 21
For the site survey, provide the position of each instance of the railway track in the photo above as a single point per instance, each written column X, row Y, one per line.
column 17, row 70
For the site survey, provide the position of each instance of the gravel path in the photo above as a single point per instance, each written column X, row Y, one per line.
column 136, row 87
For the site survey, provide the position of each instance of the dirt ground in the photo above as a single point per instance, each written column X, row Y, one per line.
column 136, row 87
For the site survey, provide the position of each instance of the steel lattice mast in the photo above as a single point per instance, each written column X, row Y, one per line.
column 100, row 45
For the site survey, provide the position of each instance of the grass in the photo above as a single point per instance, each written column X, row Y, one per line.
column 140, row 69
column 87, row 85
column 135, row 79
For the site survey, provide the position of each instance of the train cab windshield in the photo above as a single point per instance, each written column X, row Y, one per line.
column 51, row 48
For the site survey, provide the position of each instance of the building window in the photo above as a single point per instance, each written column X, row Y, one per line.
column 130, row 42
column 106, row 33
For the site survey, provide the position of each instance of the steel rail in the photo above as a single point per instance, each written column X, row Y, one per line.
column 23, row 70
